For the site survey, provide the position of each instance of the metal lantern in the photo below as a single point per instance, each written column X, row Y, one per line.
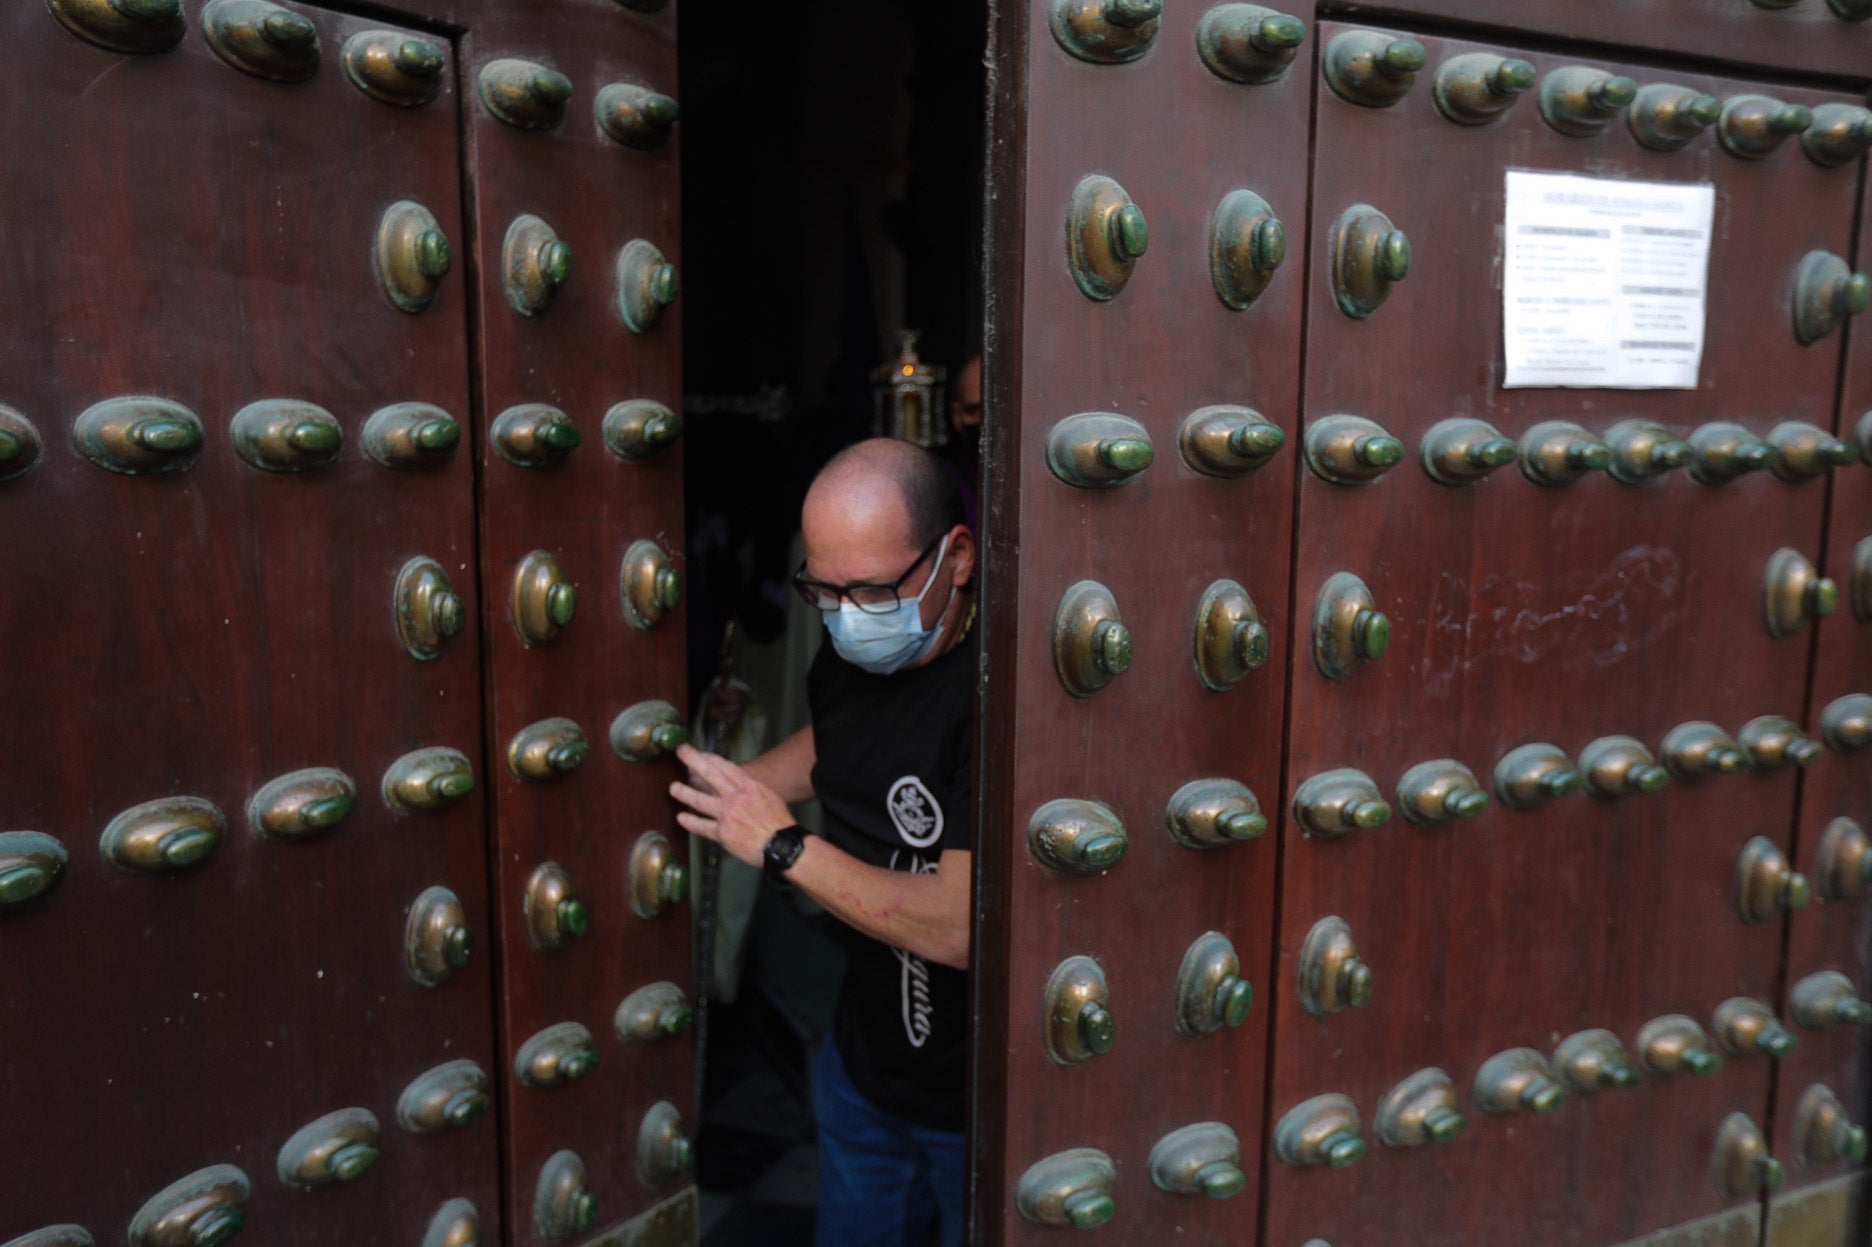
column 910, row 397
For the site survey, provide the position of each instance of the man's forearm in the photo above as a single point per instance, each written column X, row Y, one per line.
column 925, row 914
column 787, row 767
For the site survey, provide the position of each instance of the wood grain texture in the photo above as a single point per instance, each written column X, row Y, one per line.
column 178, row 228
column 1526, row 614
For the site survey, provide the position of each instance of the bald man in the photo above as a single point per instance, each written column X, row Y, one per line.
column 889, row 753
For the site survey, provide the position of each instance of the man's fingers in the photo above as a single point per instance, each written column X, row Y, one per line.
column 720, row 773
column 702, row 802
column 704, row 827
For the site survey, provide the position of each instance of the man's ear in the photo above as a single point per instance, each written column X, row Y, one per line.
column 962, row 549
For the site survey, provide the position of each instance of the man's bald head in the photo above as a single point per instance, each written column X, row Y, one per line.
column 874, row 516
column 895, row 492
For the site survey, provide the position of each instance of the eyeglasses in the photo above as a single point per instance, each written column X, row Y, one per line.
column 869, row 598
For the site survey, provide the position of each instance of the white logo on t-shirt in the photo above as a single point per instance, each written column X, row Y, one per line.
column 918, row 1009
column 915, row 812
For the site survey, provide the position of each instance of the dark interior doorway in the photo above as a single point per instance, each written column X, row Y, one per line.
column 832, row 191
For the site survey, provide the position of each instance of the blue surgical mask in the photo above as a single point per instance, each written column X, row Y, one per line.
column 890, row 640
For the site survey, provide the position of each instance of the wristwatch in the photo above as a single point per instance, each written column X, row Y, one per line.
column 783, row 849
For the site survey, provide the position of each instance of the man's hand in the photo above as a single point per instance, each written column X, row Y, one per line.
column 727, row 805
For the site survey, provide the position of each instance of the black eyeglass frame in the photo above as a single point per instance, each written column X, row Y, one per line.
column 817, row 592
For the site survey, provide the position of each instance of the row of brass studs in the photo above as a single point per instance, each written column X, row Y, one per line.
column 210, row 1205
column 1352, row 450
column 412, row 255
column 272, row 42
column 565, row 1052
column 536, row 262
column 1335, row 803
column 1087, row 838
column 544, row 598
column 555, row 916
column 1377, row 71
column 538, row 435
column 143, row 435
column 563, row 1203
column 1100, row 450
column 1106, row 235
column 1241, row 43
column 1076, row 1188
column 438, row 941
column 530, row 96
column 1248, row 44
column 1423, row 1108
column 429, row 613
column 1092, row 645
column 1079, row 837
column 1211, row 994
column 172, row 833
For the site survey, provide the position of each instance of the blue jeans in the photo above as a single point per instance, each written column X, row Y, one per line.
column 882, row 1181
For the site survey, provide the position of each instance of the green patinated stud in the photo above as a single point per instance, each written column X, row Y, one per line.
column 1130, row 232
column 1234, row 1000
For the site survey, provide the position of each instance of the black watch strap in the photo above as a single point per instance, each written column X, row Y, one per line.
column 783, row 849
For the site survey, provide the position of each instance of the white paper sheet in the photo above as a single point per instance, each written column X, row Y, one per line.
column 1604, row 281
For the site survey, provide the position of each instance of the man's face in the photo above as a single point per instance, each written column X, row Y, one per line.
column 857, row 533
column 860, row 534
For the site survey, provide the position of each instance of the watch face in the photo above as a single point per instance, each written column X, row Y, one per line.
column 783, row 849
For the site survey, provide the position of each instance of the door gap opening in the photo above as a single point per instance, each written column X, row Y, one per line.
column 831, row 199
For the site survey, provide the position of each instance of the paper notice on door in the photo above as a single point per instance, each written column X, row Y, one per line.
column 1604, row 281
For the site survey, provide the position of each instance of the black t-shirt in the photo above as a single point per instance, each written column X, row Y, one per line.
column 894, row 776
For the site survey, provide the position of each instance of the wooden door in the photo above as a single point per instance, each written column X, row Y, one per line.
column 233, row 204
column 1518, row 613
column 1831, row 940
column 1524, row 613
column 181, row 230
column 1179, row 140
column 608, row 514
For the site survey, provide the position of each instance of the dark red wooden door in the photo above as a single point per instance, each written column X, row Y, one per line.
column 184, row 230
column 604, row 511
column 1401, row 954
column 1179, row 139
column 1523, row 613
column 386, row 581
column 1830, row 943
